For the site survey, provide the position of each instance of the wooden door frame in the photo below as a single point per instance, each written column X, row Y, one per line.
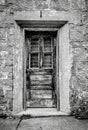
column 57, row 64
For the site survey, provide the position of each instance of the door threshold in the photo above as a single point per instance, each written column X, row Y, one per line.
column 42, row 112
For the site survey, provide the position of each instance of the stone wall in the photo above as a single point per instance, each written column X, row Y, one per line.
column 78, row 36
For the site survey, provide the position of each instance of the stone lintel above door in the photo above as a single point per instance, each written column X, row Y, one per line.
column 47, row 15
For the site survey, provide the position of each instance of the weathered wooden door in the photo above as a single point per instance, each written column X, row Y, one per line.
column 41, row 70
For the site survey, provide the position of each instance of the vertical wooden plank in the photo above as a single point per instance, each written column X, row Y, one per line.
column 29, row 46
column 57, row 71
column 52, row 41
column 39, row 58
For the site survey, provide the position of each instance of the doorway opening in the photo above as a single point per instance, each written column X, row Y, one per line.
column 41, row 70
column 50, row 22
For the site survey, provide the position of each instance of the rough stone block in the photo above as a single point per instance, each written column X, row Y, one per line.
column 77, row 5
column 76, row 33
column 11, row 31
column 3, row 43
column 75, row 17
column 8, row 82
column 9, row 62
column 82, row 72
column 2, row 63
column 3, row 100
column 84, row 17
column 79, row 54
column 3, row 107
column 2, row 2
column 8, row 94
column 42, row 4
column 4, row 75
column 86, row 29
column 1, row 93
column 3, row 34
column 73, row 80
column 3, row 53
column 59, row 4
column 10, row 1
column 86, row 33
column 22, row 5
column 10, row 105
column 76, row 44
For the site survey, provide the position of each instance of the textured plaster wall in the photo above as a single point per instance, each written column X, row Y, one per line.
column 78, row 39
